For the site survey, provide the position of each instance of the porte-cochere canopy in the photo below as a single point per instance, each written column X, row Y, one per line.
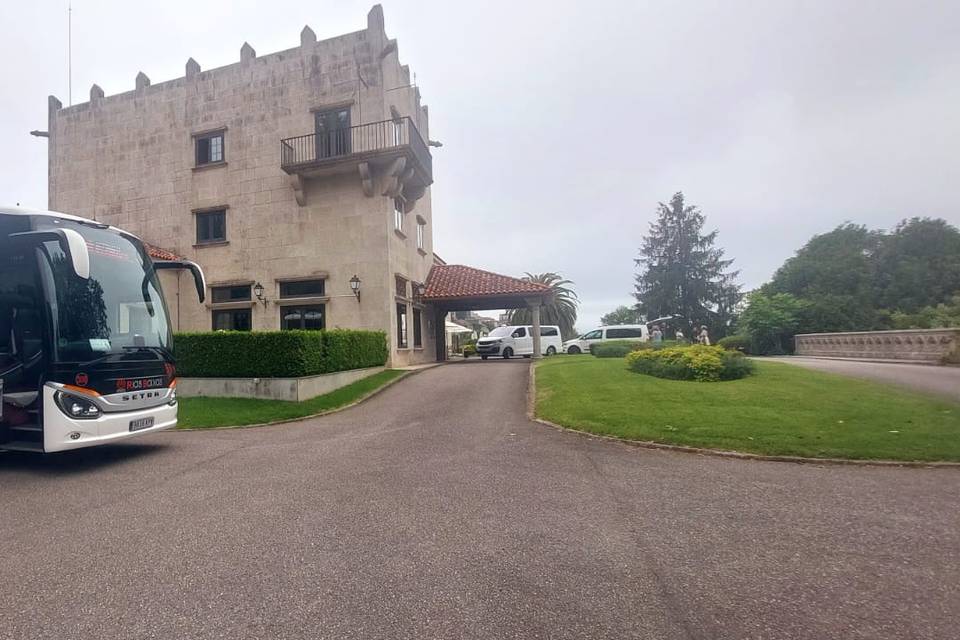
column 455, row 287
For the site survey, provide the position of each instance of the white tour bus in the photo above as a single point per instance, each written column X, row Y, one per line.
column 85, row 341
column 518, row 341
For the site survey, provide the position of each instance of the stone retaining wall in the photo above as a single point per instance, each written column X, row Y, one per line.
column 292, row 389
column 934, row 346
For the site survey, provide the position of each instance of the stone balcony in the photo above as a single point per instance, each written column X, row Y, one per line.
column 392, row 150
column 932, row 346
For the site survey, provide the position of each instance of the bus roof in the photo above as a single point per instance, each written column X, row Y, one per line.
column 23, row 211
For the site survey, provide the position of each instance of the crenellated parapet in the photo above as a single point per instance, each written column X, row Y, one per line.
column 933, row 346
column 329, row 66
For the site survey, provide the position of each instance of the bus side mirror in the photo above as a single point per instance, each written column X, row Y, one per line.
column 71, row 242
column 198, row 279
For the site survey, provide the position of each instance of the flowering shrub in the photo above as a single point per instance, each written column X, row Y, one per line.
column 696, row 362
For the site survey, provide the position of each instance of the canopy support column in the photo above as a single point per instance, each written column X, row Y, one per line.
column 535, row 321
column 440, row 333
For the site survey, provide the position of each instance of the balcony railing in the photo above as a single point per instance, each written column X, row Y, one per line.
column 364, row 140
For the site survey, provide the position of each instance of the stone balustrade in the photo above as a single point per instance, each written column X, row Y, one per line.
column 934, row 346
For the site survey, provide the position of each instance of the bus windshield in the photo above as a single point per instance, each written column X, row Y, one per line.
column 119, row 307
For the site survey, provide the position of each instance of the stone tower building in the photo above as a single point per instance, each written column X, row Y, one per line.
column 283, row 175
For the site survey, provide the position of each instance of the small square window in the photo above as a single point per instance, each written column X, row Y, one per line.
column 209, row 148
column 211, row 226
column 401, row 284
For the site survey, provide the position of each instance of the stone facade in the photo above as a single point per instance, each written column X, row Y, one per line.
column 934, row 346
column 130, row 160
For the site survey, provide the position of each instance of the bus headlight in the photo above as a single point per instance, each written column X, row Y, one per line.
column 75, row 407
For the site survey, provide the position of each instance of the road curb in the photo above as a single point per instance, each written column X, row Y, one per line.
column 359, row 400
column 719, row 453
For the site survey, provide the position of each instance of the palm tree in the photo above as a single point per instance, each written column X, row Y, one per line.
column 562, row 311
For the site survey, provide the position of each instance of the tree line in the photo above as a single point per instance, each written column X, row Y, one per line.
column 857, row 279
column 849, row 279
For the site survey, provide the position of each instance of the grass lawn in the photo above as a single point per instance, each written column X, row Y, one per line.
column 782, row 409
column 197, row 413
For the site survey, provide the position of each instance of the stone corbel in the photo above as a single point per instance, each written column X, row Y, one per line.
column 393, row 185
column 296, row 181
column 366, row 179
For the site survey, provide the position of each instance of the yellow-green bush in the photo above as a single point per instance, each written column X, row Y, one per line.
column 695, row 362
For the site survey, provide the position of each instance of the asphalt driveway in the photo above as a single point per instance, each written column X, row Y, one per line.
column 930, row 379
column 437, row 510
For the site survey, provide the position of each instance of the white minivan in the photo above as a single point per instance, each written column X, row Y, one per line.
column 518, row 341
column 581, row 344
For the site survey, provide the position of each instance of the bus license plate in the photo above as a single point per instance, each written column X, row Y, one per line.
column 141, row 423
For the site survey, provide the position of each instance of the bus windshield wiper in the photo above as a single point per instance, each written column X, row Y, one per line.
column 162, row 351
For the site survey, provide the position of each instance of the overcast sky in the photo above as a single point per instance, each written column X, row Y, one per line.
column 564, row 123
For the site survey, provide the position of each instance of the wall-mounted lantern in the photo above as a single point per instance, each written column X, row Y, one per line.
column 355, row 286
column 258, row 291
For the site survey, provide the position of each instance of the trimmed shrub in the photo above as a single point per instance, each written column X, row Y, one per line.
column 735, row 366
column 735, row 343
column 696, row 362
column 277, row 354
column 345, row 349
column 615, row 348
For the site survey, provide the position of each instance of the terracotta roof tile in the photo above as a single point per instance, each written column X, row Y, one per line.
column 160, row 254
column 455, row 281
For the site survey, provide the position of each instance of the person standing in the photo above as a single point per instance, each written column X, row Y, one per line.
column 704, row 337
column 679, row 336
column 656, row 335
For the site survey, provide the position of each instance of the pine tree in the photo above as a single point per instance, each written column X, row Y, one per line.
column 681, row 272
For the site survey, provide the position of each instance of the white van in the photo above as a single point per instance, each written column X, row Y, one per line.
column 636, row 332
column 518, row 341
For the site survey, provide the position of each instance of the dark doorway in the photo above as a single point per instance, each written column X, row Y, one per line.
column 333, row 133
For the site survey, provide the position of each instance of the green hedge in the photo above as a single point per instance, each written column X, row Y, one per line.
column 277, row 354
column 621, row 348
column 735, row 343
column 697, row 362
column 616, row 348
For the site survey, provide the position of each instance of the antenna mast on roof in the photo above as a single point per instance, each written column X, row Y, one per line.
column 70, row 54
